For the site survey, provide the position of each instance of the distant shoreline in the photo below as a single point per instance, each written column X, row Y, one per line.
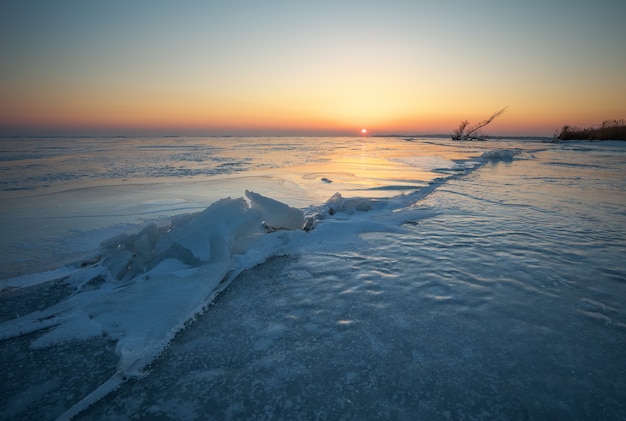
column 437, row 136
column 415, row 136
column 407, row 137
column 608, row 130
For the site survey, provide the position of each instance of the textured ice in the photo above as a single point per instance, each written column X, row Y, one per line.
column 505, row 155
column 276, row 215
column 150, row 283
column 472, row 295
column 337, row 203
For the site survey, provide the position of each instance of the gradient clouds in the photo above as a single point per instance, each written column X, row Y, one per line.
column 286, row 67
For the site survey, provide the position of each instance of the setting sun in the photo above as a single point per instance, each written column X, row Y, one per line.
column 309, row 76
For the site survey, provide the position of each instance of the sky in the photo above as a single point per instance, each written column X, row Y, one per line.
column 308, row 67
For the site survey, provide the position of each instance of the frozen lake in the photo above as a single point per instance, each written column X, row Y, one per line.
column 447, row 281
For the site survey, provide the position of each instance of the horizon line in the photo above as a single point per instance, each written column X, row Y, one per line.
column 359, row 135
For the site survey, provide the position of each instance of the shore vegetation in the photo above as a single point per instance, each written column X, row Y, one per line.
column 608, row 130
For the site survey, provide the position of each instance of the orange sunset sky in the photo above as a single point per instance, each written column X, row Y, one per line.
column 308, row 67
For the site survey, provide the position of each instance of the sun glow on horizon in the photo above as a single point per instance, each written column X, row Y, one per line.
column 304, row 80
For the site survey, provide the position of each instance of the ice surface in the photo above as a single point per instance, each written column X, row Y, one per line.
column 276, row 215
column 421, row 286
column 149, row 284
column 505, row 155
column 339, row 204
column 472, row 301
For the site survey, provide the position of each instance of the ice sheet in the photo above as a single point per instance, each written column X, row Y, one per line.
column 150, row 282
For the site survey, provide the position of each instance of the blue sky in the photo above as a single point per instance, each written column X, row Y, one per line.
column 273, row 67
